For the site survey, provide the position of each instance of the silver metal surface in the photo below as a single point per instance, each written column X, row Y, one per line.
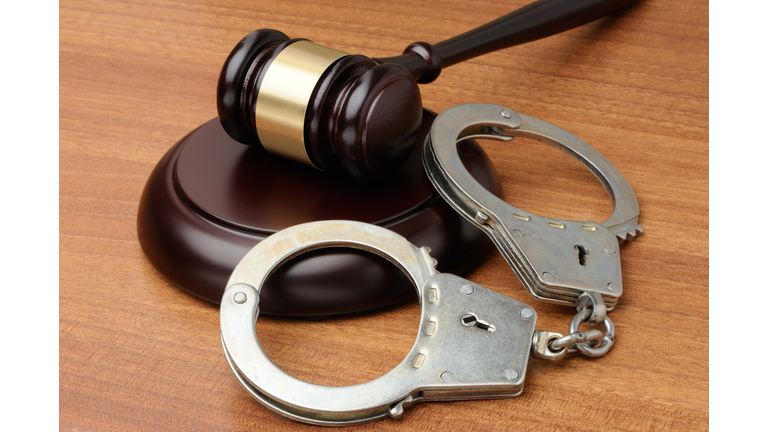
column 556, row 260
column 450, row 359
column 605, row 343
column 239, row 297
column 593, row 300
column 574, row 338
column 467, row 289
column 540, row 346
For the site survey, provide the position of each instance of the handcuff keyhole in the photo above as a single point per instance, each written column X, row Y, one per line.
column 471, row 320
column 582, row 252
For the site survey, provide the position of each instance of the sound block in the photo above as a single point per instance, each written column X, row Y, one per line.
column 211, row 199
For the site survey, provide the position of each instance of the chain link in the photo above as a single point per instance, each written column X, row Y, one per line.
column 573, row 338
column 591, row 343
column 606, row 342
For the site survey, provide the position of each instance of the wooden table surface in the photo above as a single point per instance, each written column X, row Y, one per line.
column 137, row 353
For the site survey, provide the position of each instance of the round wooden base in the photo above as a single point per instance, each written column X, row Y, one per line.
column 211, row 199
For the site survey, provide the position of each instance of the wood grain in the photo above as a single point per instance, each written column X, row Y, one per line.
column 137, row 353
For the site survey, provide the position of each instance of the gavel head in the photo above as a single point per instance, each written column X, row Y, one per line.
column 319, row 106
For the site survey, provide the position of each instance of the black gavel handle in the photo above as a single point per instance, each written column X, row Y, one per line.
column 532, row 22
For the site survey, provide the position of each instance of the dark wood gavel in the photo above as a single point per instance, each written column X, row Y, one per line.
column 342, row 112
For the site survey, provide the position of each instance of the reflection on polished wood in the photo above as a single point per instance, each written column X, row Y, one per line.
column 137, row 353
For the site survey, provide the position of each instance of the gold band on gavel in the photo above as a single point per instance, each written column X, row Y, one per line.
column 283, row 99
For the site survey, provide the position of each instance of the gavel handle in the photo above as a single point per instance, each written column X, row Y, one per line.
column 537, row 20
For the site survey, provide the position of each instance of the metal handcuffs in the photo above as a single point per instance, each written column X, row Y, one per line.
column 556, row 260
column 473, row 343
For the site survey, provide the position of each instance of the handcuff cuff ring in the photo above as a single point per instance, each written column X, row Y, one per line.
column 542, row 251
column 453, row 357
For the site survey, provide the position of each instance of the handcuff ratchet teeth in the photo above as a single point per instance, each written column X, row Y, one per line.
column 473, row 343
column 556, row 260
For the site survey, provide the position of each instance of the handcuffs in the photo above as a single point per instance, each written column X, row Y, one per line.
column 473, row 343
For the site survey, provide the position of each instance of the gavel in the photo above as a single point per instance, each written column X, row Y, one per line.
column 350, row 113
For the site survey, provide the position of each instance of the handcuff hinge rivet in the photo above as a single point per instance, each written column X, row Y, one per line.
column 526, row 313
column 239, row 297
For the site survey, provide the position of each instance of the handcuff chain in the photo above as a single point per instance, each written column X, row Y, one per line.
column 554, row 346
